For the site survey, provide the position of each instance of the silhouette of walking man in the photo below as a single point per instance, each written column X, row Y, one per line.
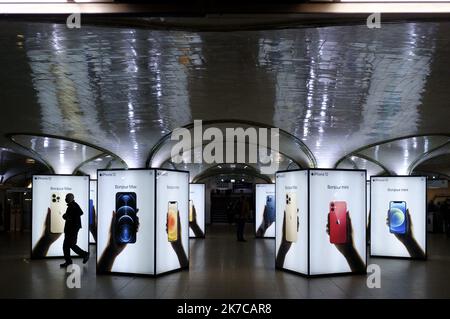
column 71, row 228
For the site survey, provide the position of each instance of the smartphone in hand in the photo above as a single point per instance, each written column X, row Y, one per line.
column 291, row 222
column 126, row 218
column 337, row 222
column 397, row 217
column 191, row 211
column 270, row 206
column 58, row 208
column 172, row 221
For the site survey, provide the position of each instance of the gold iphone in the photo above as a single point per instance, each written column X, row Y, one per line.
column 191, row 211
column 291, row 217
column 172, row 221
column 57, row 209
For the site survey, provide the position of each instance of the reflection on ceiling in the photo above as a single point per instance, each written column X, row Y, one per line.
column 357, row 162
column 104, row 161
column 336, row 88
column 399, row 156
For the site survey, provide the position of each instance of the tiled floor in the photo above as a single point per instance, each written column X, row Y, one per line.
column 223, row 268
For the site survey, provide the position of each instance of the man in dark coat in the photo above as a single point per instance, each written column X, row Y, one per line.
column 71, row 228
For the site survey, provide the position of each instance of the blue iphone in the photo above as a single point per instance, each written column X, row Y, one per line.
column 270, row 204
column 397, row 217
column 91, row 212
column 126, row 218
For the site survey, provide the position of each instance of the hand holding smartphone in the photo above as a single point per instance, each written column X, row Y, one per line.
column 291, row 217
column 397, row 217
column 191, row 211
column 172, row 221
column 337, row 222
column 57, row 209
column 270, row 206
column 126, row 222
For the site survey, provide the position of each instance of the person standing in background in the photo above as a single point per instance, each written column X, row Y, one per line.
column 244, row 213
column 447, row 217
column 443, row 207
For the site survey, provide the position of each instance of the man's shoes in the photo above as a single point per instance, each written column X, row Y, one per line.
column 86, row 258
column 65, row 265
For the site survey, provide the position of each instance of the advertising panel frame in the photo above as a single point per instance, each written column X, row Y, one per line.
column 204, row 210
column 309, row 275
column 33, row 257
column 155, row 274
column 95, row 207
column 188, row 239
column 308, row 240
column 274, row 223
column 425, row 221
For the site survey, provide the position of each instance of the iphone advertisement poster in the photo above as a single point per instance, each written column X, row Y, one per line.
column 126, row 221
column 92, row 211
column 48, row 208
column 172, row 220
column 398, row 216
column 196, row 210
column 292, row 221
column 337, row 221
column 265, row 210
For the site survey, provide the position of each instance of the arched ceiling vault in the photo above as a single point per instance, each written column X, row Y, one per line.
column 399, row 156
column 17, row 169
column 66, row 156
column 289, row 153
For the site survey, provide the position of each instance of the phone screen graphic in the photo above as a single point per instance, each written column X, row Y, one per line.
column 172, row 221
column 397, row 217
column 270, row 206
column 191, row 211
column 57, row 209
column 91, row 212
column 126, row 218
column 337, row 221
column 291, row 217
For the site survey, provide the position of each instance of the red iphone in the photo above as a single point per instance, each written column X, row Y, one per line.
column 337, row 221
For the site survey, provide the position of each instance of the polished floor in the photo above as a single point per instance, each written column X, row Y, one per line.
column 223, row 268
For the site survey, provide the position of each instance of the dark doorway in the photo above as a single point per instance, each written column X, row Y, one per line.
column 225, row 200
